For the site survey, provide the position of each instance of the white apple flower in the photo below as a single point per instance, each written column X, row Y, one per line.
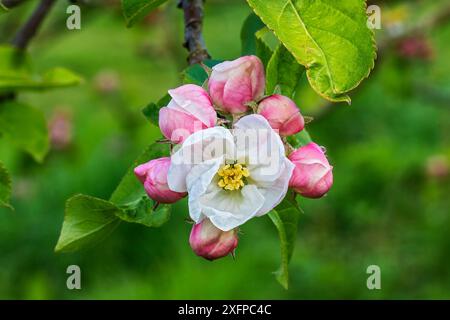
column 233, row 175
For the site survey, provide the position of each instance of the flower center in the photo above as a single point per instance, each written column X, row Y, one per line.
column 232, row 176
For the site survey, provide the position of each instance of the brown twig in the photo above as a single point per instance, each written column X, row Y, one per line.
column 193, row 38
column 29, row 29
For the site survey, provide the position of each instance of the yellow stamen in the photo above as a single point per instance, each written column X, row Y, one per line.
column 232, row 176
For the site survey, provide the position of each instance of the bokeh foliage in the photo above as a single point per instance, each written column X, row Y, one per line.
column 385, row 208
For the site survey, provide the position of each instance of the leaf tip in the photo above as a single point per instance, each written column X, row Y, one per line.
column 282, row 280
column 7, row 206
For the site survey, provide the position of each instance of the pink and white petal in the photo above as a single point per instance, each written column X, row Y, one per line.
column 228, row 66
column 275, row 192
column 176, row 177
column 216, row 90
column 197, row 181
column 228, row 210
column 177, row 126
column 142, row 170
column 194, row 100
column 200, row 146
column 261, row 146
column 237, row 91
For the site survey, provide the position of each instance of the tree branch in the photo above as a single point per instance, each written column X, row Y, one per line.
column 29, row 29
column 193, row 38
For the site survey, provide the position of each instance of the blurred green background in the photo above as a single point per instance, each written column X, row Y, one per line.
column 389, row 206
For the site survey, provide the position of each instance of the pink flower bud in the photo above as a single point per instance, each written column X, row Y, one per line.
column 211, row 243
column 153, row 176
column 437, row 166
column 190, row 110
column 282, row 114
column 60, row 129
column 312, row 176
column 234, row 83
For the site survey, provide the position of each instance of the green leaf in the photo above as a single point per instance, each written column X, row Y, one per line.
column 16, row 73
column 59, row 77
column 196, row 74
column 130, row 189
column 330, row 38
column 285, row 217
column 131, row 197
column 5, row 187
column 54, row 78
column 87, row 220
column 135, row 10
column 299, row 139
column 283, row 71
column 25, row 127
column 268, row 38
column 257, row 40
column 266, row 43
column 251, row 25
column 143, row 212
column 151, row 111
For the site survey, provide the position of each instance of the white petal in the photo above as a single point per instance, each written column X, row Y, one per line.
column 261, row 146
column 176, row 177
column 230, row 209
column 275, row 192
column 197, row 181
column 200, row 146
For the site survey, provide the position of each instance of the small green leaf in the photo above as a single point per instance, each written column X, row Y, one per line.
column 16, row 73
column 164, row 101
column 130, row 189
column 5, row 187
column 87, row 221
column 300, row 139
column 59, row 77
column 134, row 10
column 268, row 38
column 151, row 111
column 196, row 74
column 283, row 71
column 285, row 217
column 54, row 78
column 131, row 197
column 266, row 44
column 330, row 38
column 143, row 212
column 25, row 127
column 257, row 40
column 252, row 24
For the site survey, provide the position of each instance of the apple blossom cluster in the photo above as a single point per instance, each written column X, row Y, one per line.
column 231, row 158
